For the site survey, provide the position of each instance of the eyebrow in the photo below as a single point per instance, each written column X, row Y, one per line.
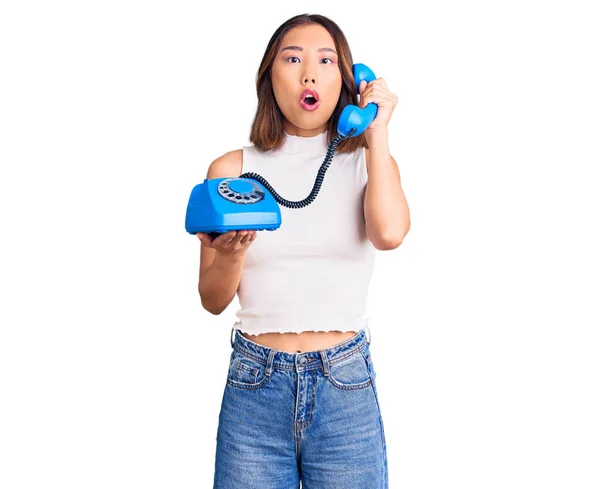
column 298, row 48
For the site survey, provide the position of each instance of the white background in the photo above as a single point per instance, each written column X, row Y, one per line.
column 484, row 321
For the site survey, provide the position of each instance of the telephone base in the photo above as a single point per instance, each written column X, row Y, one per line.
column 219, row 205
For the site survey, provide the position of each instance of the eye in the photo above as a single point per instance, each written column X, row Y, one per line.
column 327, row 59
column 293, row 57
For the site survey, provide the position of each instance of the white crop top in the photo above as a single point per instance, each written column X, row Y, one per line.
column 314, row 272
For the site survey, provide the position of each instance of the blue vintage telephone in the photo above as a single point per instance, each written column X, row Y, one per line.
column 219, row 205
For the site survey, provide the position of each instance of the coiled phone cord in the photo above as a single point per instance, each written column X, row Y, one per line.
column 337, row 139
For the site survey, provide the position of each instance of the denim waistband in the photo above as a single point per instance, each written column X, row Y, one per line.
column 278, row 359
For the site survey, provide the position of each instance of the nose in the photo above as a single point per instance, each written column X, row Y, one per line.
column 310, row 79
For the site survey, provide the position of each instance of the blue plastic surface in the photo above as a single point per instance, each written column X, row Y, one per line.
column 353, row 117
column 208, row 211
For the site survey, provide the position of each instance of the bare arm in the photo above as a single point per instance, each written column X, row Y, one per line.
column 219, row 282
column 222, row 258
column 387, row 214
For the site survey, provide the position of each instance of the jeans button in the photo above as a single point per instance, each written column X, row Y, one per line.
column 302, row 361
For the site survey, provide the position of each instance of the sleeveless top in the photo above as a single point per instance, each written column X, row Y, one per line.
column 313, row 272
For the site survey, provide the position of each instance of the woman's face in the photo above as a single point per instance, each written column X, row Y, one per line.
column 306, row 63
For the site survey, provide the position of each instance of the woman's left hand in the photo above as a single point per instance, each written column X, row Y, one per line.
column 376, row 91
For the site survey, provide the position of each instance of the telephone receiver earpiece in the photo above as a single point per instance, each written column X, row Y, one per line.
column 353, row 117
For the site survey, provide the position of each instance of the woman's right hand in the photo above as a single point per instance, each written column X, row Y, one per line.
column 232, row 242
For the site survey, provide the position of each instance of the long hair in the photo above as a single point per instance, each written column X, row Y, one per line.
column 267, row 127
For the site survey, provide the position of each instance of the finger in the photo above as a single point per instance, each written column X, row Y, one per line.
column 228, row 237
column 383, row 93
column 368, row 89
column 369, row 99
column 364, row 96
column 204, row 239
column 380, row 97
column 379, row 81
column 238, row 237
column 222, row 239
column 246, row 238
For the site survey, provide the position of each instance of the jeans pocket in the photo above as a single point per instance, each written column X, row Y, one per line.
column 352, row 372
column 246, row 372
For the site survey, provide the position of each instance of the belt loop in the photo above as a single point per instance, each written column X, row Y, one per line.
column 325, row 362
column 270, row 361
column 369, row 335
column 231, row 338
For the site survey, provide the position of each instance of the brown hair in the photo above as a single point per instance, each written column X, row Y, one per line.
column 267, row 127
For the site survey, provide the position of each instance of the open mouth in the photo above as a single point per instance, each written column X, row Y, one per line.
column 310, row 100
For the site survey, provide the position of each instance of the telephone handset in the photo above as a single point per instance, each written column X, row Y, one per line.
column 219, row 205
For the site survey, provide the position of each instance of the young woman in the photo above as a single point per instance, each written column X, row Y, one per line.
column 300, row 402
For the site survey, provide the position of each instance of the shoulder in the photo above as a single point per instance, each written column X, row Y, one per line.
column 227, row 165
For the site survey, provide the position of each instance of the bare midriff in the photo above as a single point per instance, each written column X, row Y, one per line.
column 301, row 342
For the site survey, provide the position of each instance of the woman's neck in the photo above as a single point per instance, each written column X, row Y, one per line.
column 292, row 130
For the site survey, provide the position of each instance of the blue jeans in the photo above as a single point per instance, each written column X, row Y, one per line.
column 312, row 417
